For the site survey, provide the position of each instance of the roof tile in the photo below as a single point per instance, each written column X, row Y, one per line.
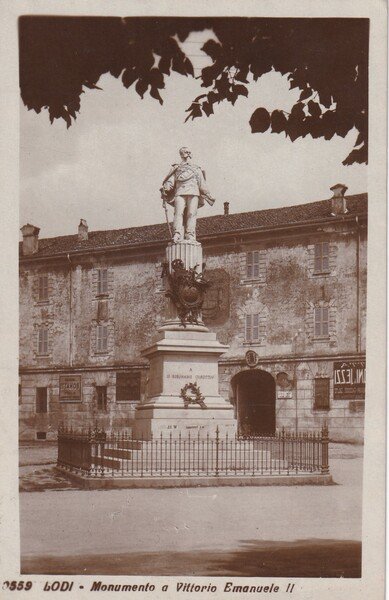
column 206, row 226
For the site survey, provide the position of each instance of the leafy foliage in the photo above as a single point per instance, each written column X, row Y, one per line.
column 325, row 59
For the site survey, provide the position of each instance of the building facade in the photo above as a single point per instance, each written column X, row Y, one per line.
column 288, row 296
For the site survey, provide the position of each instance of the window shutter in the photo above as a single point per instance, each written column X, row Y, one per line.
column 324, row 327
column 256, row 327
column 322, row 393
column 256, row 264
column 101, row 338
column 42, row 340
column 249, row 265
column 41, row 400
column 43, row 287
column 102, row 286
column 127, row 387
column 317, row 322
column 325, row 257
column 322, row 263
column 105, row 338
column 248, row 328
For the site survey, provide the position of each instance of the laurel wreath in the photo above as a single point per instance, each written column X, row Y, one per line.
column 195, row 390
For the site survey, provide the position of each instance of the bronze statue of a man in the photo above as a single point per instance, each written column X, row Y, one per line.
column 184, row 188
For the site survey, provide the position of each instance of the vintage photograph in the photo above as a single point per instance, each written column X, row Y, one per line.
column 193, row 297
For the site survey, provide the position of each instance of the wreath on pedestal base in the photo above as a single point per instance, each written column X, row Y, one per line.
column 191, row 394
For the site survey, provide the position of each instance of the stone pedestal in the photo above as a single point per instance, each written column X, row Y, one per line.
column 180, row 355
column 177, row 358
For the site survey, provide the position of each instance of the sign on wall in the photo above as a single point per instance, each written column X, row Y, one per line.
column 284, row 394
column 70, row 388
column 349, row 380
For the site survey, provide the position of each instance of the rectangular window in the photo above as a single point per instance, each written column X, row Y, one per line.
column 41, row 400
column 101, row 397
column 322, row 264
column 252, row 265
column 102, row 338
column 43, row 340
column 321, row 321
column 322, row 394
column 252, row 328
column 102, row 281
column 43, row 288
column 41, row 435
column 127, row 387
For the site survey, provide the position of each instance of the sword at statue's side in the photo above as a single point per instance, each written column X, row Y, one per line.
column 166, row 213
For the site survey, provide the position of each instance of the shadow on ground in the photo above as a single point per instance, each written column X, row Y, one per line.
column 301, row 558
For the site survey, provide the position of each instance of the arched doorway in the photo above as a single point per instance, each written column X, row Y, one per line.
column 255, row 398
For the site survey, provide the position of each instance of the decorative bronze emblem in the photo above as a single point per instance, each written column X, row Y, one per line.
column 216, row 307
column 252, row 358
column 187, row 289
column 191, row 394
column 283, row 381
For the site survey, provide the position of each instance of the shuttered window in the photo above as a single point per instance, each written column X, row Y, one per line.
column 102, row 281
column 322, row 393
column 127, row 387
column 252, row 265
column 252, row 328
column 101, row 391
column 322, row 264
column 101, row 338
column 43, row 288
column 321, row 321
column 43, row 340
column 41, row 400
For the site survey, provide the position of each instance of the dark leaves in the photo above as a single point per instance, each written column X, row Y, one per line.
column 194, row 111
column 213, row 49
column 207, row 108
column 278, row 121
column 305, row 94
column 260, row 120
column 128, row 77
column 357, row 156
column 141, row 87
column 60, row 56
column 314, row 108
column 154, row 93
column 241, row 90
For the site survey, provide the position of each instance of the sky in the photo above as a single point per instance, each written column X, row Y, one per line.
column 108, row 166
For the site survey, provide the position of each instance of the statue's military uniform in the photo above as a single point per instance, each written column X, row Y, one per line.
column 186, row 180
column 184, row 188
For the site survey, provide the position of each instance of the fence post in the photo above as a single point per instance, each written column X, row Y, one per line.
column 217, row 451
column 283, row 442
column 324, row 450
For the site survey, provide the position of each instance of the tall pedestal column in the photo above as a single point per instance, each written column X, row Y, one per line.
column 180, row 356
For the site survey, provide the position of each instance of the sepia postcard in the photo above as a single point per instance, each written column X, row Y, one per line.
column 194, row 299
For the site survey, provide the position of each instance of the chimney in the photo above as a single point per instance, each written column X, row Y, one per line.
column 226, row 209
column 30, row 235
column 82, row 230
column 338, row 201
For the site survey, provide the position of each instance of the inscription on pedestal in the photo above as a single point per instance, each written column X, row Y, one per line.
column 179, row 376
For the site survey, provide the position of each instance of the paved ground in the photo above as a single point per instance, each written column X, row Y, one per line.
column 273, row 531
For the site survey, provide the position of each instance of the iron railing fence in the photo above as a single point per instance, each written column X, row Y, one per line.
column 95, row 453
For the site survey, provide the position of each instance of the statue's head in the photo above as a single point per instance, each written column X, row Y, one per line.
column 185, row 152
